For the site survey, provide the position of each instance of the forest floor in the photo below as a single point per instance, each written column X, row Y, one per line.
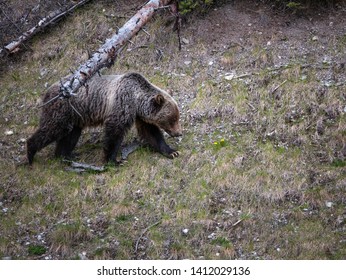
column 262, row 166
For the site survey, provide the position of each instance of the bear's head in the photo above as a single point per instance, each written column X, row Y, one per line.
column 164, row 113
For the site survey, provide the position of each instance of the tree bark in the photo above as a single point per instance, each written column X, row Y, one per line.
column 43, row 23
column 106, row 55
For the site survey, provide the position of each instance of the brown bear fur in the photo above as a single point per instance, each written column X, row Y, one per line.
column 114, row 101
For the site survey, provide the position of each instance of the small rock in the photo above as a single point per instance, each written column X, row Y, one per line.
column 315, row 38
column 9, row 132
column 43, row 72
column 82, row 256
column 210, row 63
column 212, row 236
column 329, row 204
column 187, row 62
column 229, row 77
column 185, row 231
column 341, row 219
column 328, row 83
column 185, row 41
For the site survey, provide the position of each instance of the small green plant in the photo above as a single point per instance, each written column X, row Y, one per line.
column 339, row 163
column 223, row 242
column 217, row 145
column 36, row 250
column 187, row 6
column 123, row 218
column 245, row 216
column 293, row 5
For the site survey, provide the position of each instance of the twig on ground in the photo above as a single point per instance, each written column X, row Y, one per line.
column 237, row 222
column 144, row 232
column 276, row 88
column 251, row 106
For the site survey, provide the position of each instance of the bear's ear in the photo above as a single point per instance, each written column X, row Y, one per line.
column 159, row 99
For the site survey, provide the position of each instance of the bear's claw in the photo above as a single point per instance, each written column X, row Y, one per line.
column 121, row 162
column 174, row 154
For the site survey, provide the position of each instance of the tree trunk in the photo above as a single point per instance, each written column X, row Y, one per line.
column 106, row 55
column 43, row 23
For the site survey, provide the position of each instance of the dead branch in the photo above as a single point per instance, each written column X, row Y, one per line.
column 80, row 167
column 130, row 148
column 42, row 24
column 177, row 24
column 106, row 55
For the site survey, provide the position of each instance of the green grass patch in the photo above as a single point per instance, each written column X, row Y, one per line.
column 338, row 163
column 223, row 242
column 36, row 250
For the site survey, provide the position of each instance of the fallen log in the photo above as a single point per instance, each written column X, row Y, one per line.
column 105, row 56
column 42, row 24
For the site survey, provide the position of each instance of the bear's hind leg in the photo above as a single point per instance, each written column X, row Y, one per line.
column 40, row 139
column 153, row 135
column 65, row 145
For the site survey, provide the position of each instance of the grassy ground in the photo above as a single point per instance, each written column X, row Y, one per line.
column 262, row 168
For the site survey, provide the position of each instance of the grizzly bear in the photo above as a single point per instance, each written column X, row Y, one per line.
column 114, row 101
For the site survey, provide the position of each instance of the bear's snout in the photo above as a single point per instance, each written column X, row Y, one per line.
column 175, row 131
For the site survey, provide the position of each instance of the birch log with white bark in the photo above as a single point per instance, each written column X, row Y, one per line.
column 106, row 55
column 43, row 23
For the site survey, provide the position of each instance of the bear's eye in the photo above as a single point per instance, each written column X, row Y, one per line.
column 173, row 120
